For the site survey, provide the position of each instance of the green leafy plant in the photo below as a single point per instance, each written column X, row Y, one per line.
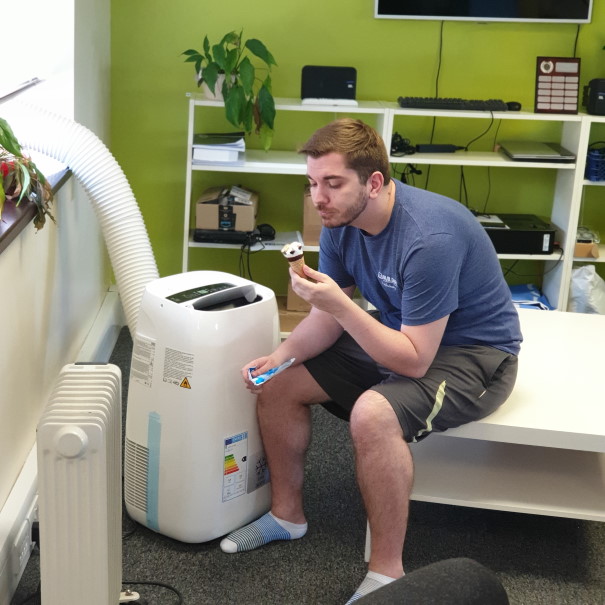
column 20, row 178
column 249, row 103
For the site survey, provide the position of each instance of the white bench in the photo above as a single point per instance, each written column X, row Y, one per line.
column 543, row 451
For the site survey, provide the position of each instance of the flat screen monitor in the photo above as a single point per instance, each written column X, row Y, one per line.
column 533, row 11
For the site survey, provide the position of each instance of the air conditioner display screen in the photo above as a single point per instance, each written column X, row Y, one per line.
column 193, row 293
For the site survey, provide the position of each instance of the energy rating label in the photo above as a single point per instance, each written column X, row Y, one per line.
column 235, row 466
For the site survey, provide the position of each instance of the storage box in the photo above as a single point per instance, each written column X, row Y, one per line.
column 294, row 302
column 311, row 221
column 226, row 208
column 586, row 250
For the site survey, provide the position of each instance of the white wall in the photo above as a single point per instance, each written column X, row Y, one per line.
column 54, row 281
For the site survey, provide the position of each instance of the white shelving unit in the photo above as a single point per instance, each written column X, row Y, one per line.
column 261, row 162
column 568, row 187
column 567, row 199
column 531, row 455
column 587, row 184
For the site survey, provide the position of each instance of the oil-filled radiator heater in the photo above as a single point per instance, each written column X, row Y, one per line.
column 80, row 487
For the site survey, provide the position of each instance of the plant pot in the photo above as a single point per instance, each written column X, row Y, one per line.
column 217, row 93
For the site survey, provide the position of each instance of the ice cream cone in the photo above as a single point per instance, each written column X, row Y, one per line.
column 297, row 264
column 293, row 253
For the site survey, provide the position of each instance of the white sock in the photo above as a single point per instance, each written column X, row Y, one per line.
column 371, row 582
column 262, row 531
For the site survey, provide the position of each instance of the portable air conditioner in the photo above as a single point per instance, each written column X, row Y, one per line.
column 80, row 487
column 194, row 462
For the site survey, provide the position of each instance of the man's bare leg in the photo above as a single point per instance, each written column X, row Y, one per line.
column 285, row 423
column 385, row 474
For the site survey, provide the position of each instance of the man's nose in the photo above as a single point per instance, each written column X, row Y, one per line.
column 320, row 195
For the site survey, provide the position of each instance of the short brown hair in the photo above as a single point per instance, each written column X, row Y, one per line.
column 362, row 147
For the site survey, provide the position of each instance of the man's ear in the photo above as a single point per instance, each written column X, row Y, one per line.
column 376, row 183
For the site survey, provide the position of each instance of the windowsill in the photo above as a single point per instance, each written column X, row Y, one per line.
column 16, row 218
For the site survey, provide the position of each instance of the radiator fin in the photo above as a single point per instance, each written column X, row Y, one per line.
column 80, row 488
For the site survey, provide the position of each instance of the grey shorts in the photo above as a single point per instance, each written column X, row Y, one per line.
column 464, row 383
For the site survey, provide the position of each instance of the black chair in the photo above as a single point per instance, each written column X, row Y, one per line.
column 450, row 582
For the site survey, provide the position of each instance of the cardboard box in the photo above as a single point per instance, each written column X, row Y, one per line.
column 311, row 221
column 294, row 302
column 227, row 208
column 586, row 250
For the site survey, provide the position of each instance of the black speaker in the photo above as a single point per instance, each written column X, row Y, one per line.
column 594, row 97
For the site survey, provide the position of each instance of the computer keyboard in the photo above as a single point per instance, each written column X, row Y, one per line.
column 452, row 103
column 318, row 101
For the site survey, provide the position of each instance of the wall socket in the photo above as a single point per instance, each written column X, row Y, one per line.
column 16, row 519
column 23, row 544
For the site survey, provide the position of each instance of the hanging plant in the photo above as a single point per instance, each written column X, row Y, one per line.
column 20, row 178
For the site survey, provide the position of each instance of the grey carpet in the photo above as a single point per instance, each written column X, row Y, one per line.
column 540, row 560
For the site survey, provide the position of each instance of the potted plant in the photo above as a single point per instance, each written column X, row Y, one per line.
column 20, row 179
column 249, row 104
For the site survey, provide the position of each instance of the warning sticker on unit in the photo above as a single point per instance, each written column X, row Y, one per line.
column 178, row 367
column 235, row 466
column 143, row 357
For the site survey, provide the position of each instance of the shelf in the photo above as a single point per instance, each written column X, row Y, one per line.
column 557, row 255
column 369, row 107
column 510, row 477
column 290, row 104
column 497, row 115
column 261, row 162
column 566, row 200
column 281, row 239
column 476, row 158
column 588, row 183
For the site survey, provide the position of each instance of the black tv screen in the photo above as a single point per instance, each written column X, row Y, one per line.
column 537, row 11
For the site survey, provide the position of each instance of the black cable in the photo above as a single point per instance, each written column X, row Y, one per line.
column 439, row 62
column 462, row 190
column 160, row 584
column 575, row 43
column 439, row 58
column 491, row 123
column 489, row 170
column 245, row 253
column 489, row 189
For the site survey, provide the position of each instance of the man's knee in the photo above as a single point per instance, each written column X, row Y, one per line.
column 373, row 418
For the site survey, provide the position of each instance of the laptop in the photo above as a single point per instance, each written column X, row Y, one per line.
column 535, row 151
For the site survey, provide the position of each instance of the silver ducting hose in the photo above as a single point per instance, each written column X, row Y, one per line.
column 112, row 198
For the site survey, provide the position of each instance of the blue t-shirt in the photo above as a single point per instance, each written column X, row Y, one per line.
column 432, row 259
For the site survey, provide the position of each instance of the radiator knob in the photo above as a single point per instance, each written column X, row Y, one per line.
column 71, row 441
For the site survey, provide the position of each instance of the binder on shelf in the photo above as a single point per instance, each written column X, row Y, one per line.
column 223, row 147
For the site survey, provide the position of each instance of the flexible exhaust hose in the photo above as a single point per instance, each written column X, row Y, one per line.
column 111, row 196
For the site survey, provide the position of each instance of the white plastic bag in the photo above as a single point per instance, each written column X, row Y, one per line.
column 587, row 291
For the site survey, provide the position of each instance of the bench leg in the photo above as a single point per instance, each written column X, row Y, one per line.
column 368, row 543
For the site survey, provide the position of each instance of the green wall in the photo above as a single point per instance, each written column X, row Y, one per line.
column 149, row 81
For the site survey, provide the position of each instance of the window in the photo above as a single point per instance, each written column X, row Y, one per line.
column 45, row 59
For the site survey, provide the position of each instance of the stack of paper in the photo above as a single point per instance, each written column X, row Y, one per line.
column 218, row 147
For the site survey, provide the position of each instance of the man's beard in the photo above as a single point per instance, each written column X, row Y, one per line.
column 349, row 215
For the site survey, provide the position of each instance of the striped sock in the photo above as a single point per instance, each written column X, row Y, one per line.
column 370, row 583
column 262, row 531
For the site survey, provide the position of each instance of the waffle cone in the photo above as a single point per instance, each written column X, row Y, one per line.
column 297, row 264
